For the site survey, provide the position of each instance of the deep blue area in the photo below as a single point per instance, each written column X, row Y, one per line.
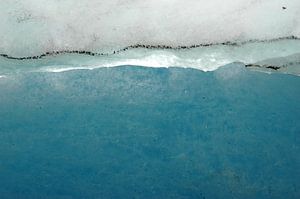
column 134, row 132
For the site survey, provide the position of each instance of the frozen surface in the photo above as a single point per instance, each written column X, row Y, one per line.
column 284, row 54
column 32, row 27
column 262, row 31
column 73, row 126
column 136, row 132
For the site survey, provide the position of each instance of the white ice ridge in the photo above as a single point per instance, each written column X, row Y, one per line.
column 33, row 27
column 279, row 55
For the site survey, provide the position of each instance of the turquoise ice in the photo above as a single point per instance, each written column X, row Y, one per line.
column 156, row 99
column 136, row 132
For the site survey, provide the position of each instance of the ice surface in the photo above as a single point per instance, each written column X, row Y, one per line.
column 203, row 58
column 136, row 132
column 288, row 64
column 32, row 27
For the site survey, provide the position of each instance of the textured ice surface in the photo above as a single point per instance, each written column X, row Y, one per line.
column 136, row 132
column 284, row 54
column 35, row 27
column 31, row 27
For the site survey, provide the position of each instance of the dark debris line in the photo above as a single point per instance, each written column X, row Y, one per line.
column 263, row 66
column 147, row 46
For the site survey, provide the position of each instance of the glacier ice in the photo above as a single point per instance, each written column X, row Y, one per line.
column 282, row 53
column 32, row 27
column 137, row 132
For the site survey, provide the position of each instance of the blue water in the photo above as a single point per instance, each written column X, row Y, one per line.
column 136, row 132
